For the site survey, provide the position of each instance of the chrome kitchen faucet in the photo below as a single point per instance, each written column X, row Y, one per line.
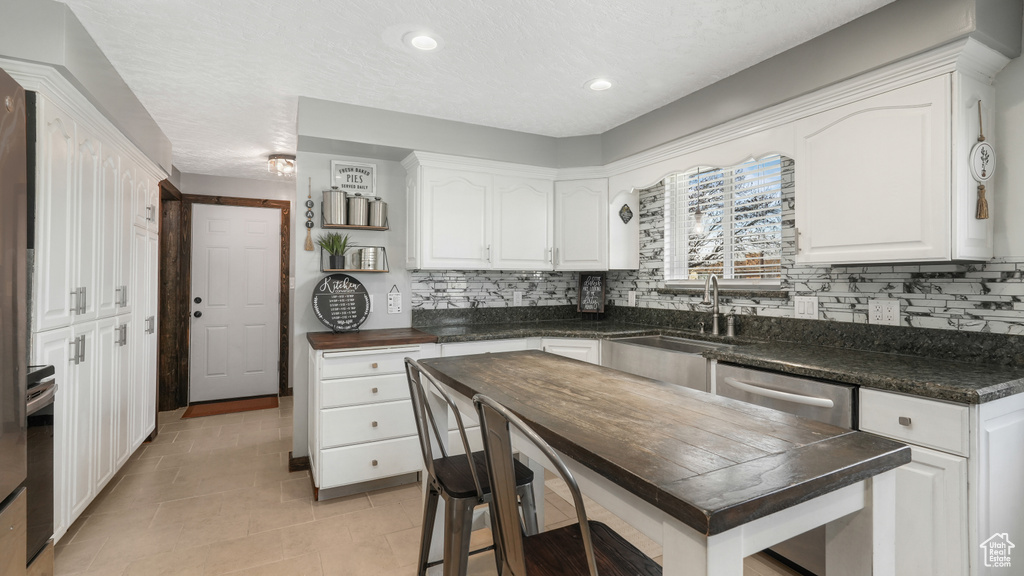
column 708, row 300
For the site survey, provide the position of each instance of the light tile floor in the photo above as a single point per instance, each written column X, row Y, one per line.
column 213, row 495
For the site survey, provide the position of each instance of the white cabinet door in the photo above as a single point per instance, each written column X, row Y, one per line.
column 455, row 216
column 125, row 222
column 581, row 225
column 105, row 408
column 931, row 515
column 108, row 236
column 55, row 347
column 874, row 178
column 123, row 392
column 523, row 222
column 584, row 350
column 154, row 200
column 54, row 280
column 467, row 348
column 138, row 335
column 83, row 403
column 152, row 314
column 142, row 203
column 87, row 224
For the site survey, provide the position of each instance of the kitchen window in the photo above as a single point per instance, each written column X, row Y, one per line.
column 725, row 221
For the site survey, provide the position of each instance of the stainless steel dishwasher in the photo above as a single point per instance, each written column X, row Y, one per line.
column 822, row 401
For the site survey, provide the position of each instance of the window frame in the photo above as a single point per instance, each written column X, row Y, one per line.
column 669, row 243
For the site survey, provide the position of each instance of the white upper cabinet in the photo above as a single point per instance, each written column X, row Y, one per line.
column 467, row 214
column 54, row 302
column 87, row 225
column 125, row 221
column 873, row 178
column 581, row 225
column 523, row 222
column 455, row 221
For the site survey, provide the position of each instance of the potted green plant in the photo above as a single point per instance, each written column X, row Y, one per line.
column 335, row 244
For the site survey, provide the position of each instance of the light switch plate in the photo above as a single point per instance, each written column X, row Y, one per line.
column 517, row 298
column 884, row 311
column 805, row 307
column 632, row 297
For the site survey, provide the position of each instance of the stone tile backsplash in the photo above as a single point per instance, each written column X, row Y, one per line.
column 983, row 297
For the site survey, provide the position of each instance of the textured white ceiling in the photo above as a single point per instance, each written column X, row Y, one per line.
column 222, row 77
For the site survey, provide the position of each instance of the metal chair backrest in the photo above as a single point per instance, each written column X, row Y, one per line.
column 495, row 424
column 426, row 425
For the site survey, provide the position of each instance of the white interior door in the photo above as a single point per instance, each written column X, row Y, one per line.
column 235, row 335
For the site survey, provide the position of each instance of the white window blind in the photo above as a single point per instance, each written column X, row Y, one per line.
column 725, row 221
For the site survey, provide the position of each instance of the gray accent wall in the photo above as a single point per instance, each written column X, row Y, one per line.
column 48, row 32
column 1008, row 186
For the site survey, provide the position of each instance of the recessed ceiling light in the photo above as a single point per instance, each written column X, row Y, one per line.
column 423, row 42
column 600, row 84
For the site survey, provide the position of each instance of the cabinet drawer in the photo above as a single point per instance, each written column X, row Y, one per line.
column 370, row 389
column 351, row 464
column 369, row 423
column 928, row 423
column 366, row 362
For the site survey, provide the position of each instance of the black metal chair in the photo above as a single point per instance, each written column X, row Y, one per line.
column 460, row 479
column 578, row 549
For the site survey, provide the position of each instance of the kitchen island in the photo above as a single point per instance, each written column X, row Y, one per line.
column 711, row 479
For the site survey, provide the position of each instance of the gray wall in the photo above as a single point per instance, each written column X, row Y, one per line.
column 391, row 188
column 47, row 32
column 1008, row 188
column 283, row 189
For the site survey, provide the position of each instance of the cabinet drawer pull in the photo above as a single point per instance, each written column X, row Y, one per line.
column 374, row 423
column 904, row 421
column 374, row 390
column 374, row 365
column 373, row 462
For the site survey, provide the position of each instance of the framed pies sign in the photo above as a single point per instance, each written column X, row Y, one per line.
column 341, row 302
column 591, row 293
column 352, row 177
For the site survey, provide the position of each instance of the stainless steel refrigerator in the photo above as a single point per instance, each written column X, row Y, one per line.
column 13, row 334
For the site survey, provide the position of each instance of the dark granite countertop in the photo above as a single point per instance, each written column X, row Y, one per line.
column 962, row 382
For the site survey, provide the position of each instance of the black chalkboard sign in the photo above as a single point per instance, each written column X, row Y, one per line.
column 591, row 293
column 341, row 302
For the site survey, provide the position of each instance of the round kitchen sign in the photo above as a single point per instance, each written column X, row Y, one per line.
column 341, row 302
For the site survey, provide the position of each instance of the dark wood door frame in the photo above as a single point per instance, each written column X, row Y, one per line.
column 179, row 289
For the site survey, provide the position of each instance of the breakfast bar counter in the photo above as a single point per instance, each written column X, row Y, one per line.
column 710, row 478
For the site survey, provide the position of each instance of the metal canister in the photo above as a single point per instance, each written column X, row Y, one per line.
column 378, row 213
column 334, row 208
column 353, row 258
column 358, row 210
column 369, row 260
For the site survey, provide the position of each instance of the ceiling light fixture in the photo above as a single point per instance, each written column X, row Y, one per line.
column 281, row 164
column 423, row 42
column 600, row 84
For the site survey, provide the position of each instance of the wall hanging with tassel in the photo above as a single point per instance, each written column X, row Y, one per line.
column 983, row 165
column 309, row 218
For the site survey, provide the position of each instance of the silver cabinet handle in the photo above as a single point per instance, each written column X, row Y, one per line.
column 488, row 252
column 124, row 292
column 787, row 396
column 904, row 420
column 85, row 300
column 373, row 424
column 551, row 255
column 374, row 365
column 150, row 324
column 73, row 356
column 119, row 295
column 76, row 303
column 123, row 330
column 556, row 256
column 373, row 462
column 374, row 390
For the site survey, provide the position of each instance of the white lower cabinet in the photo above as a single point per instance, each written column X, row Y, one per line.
column 483, row 347
column 361, row 425
column 931, row 514
column 970, row 480
column 584, row 350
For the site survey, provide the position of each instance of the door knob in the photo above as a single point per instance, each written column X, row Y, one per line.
column 198, row 300
column 197, row 314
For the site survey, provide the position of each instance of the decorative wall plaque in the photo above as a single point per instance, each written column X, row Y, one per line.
column 625, row 213
column 352, row 177
column 591, row 293
column 341, row 302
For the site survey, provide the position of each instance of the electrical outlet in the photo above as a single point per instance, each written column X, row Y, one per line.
column 805, row 307
column 632, row 297
column 517, row 298
column 883, row 311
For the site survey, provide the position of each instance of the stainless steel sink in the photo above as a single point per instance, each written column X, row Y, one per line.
column 665, row 358
column 673, row 343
